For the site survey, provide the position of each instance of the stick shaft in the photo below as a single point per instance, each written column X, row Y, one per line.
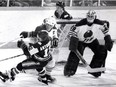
column 11, row 57
column 8, row 42
column 87, row 65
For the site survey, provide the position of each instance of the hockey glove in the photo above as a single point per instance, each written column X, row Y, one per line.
column 24, row 47
column 72, row 33
column 55, row 42
column 24, row 34
column 108, row 42
column 73, row 28
column 105, row 28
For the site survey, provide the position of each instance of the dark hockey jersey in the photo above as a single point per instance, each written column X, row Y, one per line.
column 52, row 32
column 96, row 21
column 40, row 49
column 64, row 15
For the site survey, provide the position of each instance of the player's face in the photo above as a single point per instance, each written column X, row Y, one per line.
column 90, row 19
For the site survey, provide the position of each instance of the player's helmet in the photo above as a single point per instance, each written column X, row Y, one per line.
column 91, row 16
column 43, row 35
column 50, row 21
column 60, row 4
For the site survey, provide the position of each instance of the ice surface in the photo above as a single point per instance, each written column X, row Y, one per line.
column 80, row 79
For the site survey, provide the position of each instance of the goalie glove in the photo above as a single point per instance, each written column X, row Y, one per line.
column 105, row 28
column 108, row 42
column 72, row 33
column 73, row 28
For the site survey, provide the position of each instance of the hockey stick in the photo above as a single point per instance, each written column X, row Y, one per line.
column 11, row 57
column 87, row 65
column 9, row 41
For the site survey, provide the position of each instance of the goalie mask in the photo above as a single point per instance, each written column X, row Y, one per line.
column 91, row 16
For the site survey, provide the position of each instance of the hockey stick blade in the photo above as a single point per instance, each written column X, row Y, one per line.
column 95, row 69
column 87, row 65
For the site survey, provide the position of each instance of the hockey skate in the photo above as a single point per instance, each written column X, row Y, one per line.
column 4, row 76
column 12, row 74
column 96, row 75
column 43, row 80
column 50, row 79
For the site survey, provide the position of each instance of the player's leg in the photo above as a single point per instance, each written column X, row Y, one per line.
column 49, row 67
column 73, row 61
column 26, row 64
column 98, row 58
column 103, row 54
column 42, row 75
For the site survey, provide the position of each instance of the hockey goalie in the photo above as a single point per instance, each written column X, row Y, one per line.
column 82, row 35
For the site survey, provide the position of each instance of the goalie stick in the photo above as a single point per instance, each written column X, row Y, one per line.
column 87, row 65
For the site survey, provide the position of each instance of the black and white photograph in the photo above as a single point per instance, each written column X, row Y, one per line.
column 57, row 43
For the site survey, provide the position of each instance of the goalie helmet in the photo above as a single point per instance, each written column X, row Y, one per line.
column 91, row 16
column 60, row 4
column 50, row 21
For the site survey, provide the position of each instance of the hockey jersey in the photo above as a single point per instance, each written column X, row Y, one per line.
column 64, row 15
column 40, row 50
column 87, row 32
column 52, row 32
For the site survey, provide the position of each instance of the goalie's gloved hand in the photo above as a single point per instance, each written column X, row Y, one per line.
column 73, row 28
column 72, row 33
column 105, row 28
column 55, row 42
column 24, row 34
column 108, row 42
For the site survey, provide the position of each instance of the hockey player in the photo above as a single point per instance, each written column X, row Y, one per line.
column 50, row 25
column 61, row 13
column 38, row 58
column 84, row 36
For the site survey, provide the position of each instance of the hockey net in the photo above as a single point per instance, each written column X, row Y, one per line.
column 61, row 53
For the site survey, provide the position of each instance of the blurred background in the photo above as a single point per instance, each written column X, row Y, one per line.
column 51, row 3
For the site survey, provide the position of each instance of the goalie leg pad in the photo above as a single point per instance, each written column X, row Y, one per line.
column 73, row 43
column 71, row 65
column 99, row 58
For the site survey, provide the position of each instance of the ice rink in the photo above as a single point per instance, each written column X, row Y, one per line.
column 80, row 79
